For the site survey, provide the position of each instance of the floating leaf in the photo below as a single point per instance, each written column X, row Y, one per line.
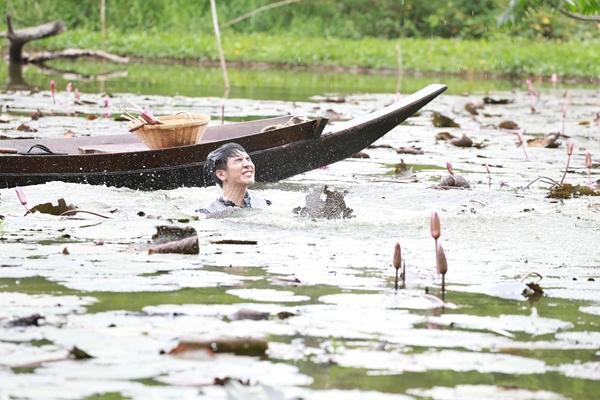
column 77, row 354
column 508, row 124
column 169, row 233
column 441, row 121
column 491, row 100
column 239, row 346
column 26, row 128
column 410, row 150
column 48, row 208
column 360, row 154
column 184, row 246
column 333, row 207
column 463, row 141
column 31, row 320
column 444, row 136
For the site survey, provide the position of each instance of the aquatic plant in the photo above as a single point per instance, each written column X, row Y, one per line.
column 588, row 164
column 435, row 226
column 442, row 265
column 449, row 168
column 534, row 95
column 397, row 262
column 487, row 169
column 565, row 109
column 22, row 198
column 53, row 89
column 569, row 154
column 521, row 142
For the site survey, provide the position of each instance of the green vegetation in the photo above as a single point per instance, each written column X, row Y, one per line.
column 348, row 33
column 505, row 55
column 330, row 18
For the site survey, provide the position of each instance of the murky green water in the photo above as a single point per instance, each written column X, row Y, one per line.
column 351, row 336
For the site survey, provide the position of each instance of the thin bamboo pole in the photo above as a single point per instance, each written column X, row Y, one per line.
column 213, row 9
column 103, row 21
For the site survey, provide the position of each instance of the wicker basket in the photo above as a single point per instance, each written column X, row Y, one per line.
column 175, row 130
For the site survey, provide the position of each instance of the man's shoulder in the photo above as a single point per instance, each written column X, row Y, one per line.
column 258, row 201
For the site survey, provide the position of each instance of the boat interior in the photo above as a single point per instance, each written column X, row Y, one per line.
column 129, row 142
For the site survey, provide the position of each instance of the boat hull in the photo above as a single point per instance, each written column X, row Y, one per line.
column 282, row 154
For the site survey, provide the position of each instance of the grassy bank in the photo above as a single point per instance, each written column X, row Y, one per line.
column 502, row 55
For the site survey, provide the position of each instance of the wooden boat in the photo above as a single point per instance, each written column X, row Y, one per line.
column 123, row 160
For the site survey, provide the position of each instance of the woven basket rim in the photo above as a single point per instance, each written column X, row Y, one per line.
column 171, row 124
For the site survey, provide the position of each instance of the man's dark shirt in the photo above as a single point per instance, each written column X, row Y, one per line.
column 222, row 207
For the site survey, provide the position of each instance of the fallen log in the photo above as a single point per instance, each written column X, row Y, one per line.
column 73, row 53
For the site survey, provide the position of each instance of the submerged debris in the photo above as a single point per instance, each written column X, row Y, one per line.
column 463, row 141
column 332, row 207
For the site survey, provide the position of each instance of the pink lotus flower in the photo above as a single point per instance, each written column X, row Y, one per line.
column 569, row 148
column 69, row 87
column 554, row 79
column 105, row 102
column 77, row 96
column 435, row 226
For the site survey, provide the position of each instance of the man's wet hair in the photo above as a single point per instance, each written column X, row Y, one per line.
column 217, row 159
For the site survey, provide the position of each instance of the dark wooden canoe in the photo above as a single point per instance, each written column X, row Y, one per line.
column 122, row 160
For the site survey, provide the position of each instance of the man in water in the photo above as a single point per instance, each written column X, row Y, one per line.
column 231, row 168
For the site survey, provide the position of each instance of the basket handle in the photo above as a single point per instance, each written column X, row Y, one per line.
column 188, row 114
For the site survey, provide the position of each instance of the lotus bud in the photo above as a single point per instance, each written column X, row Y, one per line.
column 440, row 257
column 449, row 168
column 21, row 196
column 397, row 262
column 69, row 87
column 520, row 136
column 77, row 96
column 588, row 160
column 570, row 148
column 435, row 226
column 52, row 89
column 105, row 102
column 554, row 78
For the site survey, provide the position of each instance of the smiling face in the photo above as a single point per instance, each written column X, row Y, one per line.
column 239, row 172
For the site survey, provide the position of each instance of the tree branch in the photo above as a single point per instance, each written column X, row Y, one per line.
column 257, row 11
column 579, row 17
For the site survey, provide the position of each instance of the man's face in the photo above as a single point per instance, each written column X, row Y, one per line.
column 240, row 170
